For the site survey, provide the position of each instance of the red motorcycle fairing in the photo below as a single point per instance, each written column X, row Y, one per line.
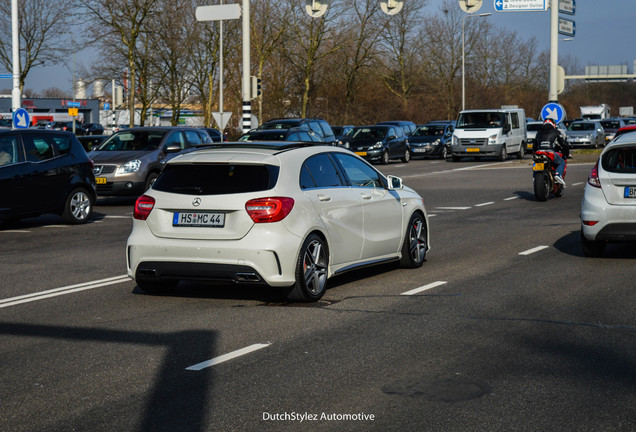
column 550, row 155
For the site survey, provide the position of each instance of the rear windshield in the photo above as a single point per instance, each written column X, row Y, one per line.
column 216, row 179
column 533, row 127
column 620, row 160
column 581, row 126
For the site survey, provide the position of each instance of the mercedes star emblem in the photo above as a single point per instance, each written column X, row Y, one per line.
column 196, row 202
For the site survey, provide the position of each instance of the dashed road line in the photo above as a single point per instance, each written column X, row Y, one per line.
column 533, row 250
column 424, row 288
column 485, row 204
column 453, row 208
column 225, row 357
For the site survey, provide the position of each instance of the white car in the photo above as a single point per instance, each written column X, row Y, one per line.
column 608, row 209
column 277, row 214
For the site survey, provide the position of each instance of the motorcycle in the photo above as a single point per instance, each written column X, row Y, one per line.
column 543, row 172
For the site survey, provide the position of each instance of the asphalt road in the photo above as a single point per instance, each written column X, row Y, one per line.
column 506, row 327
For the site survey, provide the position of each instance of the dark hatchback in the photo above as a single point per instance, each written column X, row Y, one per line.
column 378, row 143
column 298, row 134
column 432, row 139
column 45, row 172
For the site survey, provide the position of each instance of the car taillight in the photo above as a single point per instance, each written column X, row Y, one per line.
column 143, row 207
column 593, row 179
column 274, row 209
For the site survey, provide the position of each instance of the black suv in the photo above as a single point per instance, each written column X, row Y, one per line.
column 318, row 125
column 378, row 143
column 45, row 172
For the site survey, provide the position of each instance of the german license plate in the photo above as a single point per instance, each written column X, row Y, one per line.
column 100, row 180
column 420, row 150
column 198, row 219
column 361, row 153
column 538, row 166
column 630, row 192
column 472, row 150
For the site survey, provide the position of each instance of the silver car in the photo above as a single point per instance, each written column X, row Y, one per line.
column 586, row 133
column 608, row 209
column 130, row 160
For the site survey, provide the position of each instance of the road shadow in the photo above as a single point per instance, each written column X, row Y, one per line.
column 177, row 399
column 571, row 244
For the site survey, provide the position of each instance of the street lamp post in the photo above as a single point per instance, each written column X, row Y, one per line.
column 463, row 57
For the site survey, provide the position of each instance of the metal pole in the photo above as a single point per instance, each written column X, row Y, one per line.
column 247, row 104
column 554, row 49
column 15, row 92
column 221, row 68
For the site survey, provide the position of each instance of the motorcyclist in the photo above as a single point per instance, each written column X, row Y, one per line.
column 549, row 139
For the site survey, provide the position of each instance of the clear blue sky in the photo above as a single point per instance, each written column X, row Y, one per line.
column 605, row 35
column 605, row 29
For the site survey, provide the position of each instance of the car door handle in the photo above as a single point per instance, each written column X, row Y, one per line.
column 366, row 196
column 325, row 198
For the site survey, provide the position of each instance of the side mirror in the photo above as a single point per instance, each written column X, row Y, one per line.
column 394, row 182
column 173, row 148
column 506, row 128
column 391, row 137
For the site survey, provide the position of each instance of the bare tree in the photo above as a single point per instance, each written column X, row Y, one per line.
column 401, row 45
column 126, row 20
column 310, row 41
column 45, row 34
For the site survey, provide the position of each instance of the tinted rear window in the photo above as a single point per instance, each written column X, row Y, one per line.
column 620, row 160
column 216, row 179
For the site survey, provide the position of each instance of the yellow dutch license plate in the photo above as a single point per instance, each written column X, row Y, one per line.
column 538, row 166
column 361, row 153
column 472, row 150
column 100, row 180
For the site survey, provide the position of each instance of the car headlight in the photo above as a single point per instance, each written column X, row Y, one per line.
column 377, row 145
column 492, row 139
column 129, row 167
column 454, row 141
column 437, row 141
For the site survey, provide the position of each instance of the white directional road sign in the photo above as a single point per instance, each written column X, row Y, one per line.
column 554, row 111
column 520, row 5
column 221, row 118
column 21, row 118
column 567, row 27
column 218, row 12
column 567, row 6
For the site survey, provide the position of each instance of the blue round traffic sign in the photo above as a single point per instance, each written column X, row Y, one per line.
column 554, row 111
column 21, row 119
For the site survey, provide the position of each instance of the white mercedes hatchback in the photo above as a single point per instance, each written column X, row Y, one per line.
column 608, row 209
column 277, row 214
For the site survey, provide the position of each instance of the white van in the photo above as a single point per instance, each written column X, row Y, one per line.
column 490, row 133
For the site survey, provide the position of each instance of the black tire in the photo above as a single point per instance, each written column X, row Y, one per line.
column 407, row 156
column 541, row 186
column 415, row 242
column 592, row 248
column 503, row 154
column 157, row 287
column 522, row 151
column 78, row 207
column 311, row 270
column 444, row 153
column 384, row 159
column 150, row 180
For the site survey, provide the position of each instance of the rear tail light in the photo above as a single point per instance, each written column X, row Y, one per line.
column 589, row 223
column 593, row 179
column 274, row 209
column 143, row 207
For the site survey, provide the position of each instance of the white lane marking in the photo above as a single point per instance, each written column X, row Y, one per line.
column 484, row 204
column 14, row 231
column 55, row 226
column 424, row 288
column 453, row 208
column 579, row 183
column 228, row 356
column 117, row 217
column 431, row 215
column 533, row 250
column 62, row 291
column 512, row 198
